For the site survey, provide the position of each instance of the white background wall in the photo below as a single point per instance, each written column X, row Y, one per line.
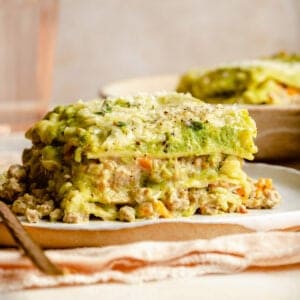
column 104, row 40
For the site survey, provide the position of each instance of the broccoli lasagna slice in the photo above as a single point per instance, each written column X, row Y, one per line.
column 272, row 81
column 148, row 156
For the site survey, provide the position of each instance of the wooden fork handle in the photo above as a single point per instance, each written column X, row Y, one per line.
column 22, row 238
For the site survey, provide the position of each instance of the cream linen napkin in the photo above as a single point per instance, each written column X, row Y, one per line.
column 149, row 261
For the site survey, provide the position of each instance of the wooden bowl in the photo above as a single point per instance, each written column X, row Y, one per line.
column 278, row 126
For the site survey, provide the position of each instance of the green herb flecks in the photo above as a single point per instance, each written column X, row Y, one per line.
column 196, row 125
column 105, row 109
column 120, row 124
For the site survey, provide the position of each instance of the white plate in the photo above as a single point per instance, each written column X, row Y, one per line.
column 286, row 216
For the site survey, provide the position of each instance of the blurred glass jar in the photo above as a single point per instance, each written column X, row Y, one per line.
column 27, row 38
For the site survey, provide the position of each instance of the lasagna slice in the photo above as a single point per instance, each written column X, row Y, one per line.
column 142, row 157
column 271, row 81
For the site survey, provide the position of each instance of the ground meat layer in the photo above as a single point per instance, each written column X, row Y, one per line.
column 142, row 188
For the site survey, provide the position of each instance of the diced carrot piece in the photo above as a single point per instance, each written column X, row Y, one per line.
column 260, row 183
column 145, row 163
column 292, row 91
column 264, row 183
column 269, row 183
column 241, row 191
column 145, row 210
column 160, row 208
column 242, row 209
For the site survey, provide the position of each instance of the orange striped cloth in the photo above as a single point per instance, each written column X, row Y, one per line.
column 149, row 261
